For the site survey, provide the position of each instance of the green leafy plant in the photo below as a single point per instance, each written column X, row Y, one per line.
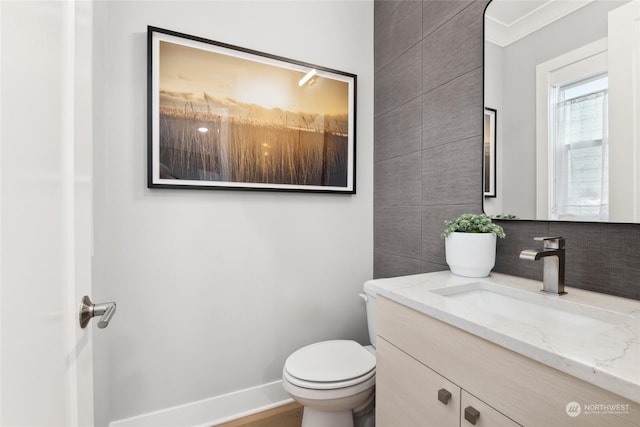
column 472, row 223
column 505, row 216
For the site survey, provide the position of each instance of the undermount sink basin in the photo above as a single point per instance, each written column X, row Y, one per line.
column 548, row 312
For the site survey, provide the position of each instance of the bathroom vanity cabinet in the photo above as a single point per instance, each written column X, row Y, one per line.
column 415, row 395
column 423, row 362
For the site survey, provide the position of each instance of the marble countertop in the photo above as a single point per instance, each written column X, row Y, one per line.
column 608, row 357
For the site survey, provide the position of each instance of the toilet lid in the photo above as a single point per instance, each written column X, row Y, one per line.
column 330, row 361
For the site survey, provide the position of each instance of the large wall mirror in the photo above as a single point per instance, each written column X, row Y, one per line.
column 562, row 110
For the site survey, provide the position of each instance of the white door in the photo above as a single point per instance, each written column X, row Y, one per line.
column 45, row 212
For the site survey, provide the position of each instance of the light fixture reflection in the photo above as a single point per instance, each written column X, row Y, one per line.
column 306, row 77
column 203, row 130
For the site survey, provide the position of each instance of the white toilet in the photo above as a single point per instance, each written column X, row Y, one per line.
column 334, row 379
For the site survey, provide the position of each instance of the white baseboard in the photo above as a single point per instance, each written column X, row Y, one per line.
column 213, row 411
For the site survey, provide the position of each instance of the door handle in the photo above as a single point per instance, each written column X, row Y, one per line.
column 89, row 310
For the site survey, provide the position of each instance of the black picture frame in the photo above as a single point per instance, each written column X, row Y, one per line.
column 225, row 117
column 489, row 157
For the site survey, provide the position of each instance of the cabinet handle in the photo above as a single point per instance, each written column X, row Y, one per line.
column 444, row 396
column 471, row 414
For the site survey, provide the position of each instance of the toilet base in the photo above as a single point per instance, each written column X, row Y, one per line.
column 315, row 418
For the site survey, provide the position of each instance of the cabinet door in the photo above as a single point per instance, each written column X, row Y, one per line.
column 408, row 393
column 474, row 412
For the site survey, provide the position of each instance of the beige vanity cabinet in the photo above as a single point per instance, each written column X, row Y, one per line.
column 419, row 356
column 412, row 395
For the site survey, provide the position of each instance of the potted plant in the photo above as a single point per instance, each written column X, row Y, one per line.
column 470, row 244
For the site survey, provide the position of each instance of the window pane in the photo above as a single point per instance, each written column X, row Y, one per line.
column 582, row 118
column 587, row 182
column 582, row 88
column 581, row 151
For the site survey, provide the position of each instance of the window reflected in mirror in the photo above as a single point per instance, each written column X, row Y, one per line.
column 560, row 75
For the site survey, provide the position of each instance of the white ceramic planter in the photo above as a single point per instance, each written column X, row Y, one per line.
column 471, row 254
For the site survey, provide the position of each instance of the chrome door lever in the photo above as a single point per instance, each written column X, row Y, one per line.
column 88, row 310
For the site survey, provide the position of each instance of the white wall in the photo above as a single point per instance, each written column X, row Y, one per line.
column 493, row 79
column 624, row 113
column 216, row 288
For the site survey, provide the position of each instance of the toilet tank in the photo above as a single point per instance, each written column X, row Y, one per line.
column 369, row 296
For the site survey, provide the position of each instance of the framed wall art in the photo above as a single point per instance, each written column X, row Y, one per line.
column 225, row 117
column 489, row 169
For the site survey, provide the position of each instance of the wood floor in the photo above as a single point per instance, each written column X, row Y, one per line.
column 289, row 415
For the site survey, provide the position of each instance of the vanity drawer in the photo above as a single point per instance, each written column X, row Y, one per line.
column 409, row 394
column 526, row 391
column 486, row 415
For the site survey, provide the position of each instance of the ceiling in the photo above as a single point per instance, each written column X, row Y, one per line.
column 508, row 12
column 509, row 20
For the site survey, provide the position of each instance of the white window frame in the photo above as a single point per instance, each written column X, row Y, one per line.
column 570, row 66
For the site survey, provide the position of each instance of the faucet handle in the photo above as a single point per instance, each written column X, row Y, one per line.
column 551, row 242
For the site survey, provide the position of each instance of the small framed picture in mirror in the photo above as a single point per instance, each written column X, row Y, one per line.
column 489, row 175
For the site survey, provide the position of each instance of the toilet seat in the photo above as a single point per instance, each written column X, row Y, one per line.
column 330, row 365
column 326, row 385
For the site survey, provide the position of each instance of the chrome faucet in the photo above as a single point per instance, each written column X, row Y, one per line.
column 553, row 254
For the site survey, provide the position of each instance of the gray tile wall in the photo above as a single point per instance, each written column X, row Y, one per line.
column 428, row 145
